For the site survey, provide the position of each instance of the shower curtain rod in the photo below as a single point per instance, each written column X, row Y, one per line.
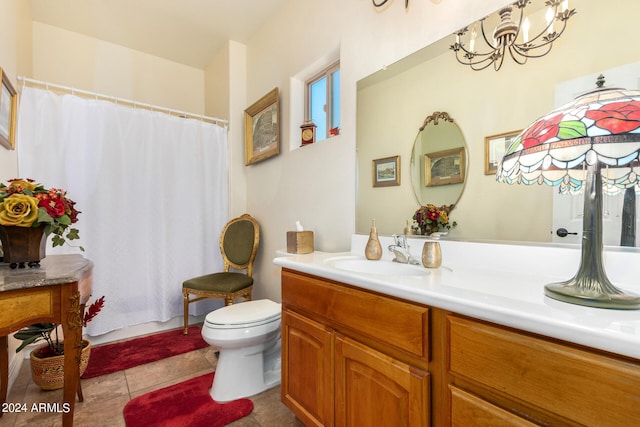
column 117, row 100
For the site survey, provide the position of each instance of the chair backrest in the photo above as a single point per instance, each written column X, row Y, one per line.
column 239, row 243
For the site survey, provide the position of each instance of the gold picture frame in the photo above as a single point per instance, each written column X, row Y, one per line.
column 494, row 148
column 262, row 129
column 8, row 113
column 386, row 171
column 444, row 167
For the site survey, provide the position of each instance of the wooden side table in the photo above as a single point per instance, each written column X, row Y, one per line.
column 55, row 292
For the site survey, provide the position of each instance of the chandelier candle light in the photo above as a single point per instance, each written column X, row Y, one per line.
column 569, row 147
column 511, row 37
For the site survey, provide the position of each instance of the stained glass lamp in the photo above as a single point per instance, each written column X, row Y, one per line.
column 571, row 147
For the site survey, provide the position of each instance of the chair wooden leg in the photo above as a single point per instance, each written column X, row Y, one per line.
column 228, row 301
column 186, row 313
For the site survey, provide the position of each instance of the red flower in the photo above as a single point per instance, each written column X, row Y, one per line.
column 543, row 131
column 617, row 117
column 70, row 210
column 54, row 206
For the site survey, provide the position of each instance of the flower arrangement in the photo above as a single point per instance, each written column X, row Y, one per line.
column 44, row 331
column 25, row 203
column 431, row 218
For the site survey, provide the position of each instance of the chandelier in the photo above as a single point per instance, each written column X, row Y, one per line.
column 511, row 37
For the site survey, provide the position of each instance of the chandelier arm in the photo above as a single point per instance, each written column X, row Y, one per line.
column 485, row 56
column 473, row 64
column 484, row 36
column 517, row 56
column 382, row 3
column 481, row 65
column 497, row 65
column 531, row 51
column 543, row 33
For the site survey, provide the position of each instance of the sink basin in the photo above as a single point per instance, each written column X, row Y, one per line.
column 380, row 268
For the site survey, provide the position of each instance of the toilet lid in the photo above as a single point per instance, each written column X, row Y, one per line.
column 245, row 313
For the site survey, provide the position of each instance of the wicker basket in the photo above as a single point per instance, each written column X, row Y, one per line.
column 48, row 372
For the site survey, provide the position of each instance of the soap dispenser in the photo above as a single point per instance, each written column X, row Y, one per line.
column 407, row 229
column 373, row 250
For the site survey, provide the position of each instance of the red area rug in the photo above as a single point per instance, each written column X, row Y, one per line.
column 109, row 358
column 185, row 404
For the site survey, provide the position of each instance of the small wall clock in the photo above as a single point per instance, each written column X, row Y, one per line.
column 308, row 132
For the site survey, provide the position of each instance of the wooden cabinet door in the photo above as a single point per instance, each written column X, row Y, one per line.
column 373, row 389
column 307, row 382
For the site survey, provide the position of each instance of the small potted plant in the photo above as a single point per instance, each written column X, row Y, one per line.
column 47, row 361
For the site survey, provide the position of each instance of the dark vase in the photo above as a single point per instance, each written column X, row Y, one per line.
column 22, row 245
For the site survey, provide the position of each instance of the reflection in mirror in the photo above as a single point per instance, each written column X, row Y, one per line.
column 392, row 102
column 438, row 161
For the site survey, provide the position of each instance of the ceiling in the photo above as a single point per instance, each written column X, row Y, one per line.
column 189, row 32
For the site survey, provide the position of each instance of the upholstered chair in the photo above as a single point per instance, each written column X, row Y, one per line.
column 239, row 242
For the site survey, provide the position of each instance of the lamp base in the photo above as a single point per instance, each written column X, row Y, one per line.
column 573, row 292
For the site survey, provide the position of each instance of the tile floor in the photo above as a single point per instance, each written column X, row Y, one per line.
column 106, row 396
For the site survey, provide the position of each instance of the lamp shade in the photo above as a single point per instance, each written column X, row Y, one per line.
column 601, row 127
column 571, row 147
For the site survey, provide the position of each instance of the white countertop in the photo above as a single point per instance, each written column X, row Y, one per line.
column 503, row 284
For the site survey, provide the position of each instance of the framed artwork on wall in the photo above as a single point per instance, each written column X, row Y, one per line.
column 494, row 148
column 444, row 167
column 262, row 129
column 8, row 113
column 386, row 171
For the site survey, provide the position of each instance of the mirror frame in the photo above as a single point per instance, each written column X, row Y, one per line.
column 417, row 183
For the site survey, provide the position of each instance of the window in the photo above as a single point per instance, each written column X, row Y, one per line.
column 323, row 102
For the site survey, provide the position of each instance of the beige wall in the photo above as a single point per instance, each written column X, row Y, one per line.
column 15, row 45
column 15, row 42
column 71, row 59
column 216, row 87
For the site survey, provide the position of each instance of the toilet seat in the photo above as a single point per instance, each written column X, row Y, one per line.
column 244, row 315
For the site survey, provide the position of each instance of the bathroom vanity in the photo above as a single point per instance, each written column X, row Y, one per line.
column 472, row 343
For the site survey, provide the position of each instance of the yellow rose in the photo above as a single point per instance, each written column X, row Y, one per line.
column 24, row 184
column 19, row 209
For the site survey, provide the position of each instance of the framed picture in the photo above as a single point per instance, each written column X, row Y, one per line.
column 8, row 113
column 494, row 148
column 262, row 129
column 444, row 167
column 386, row 171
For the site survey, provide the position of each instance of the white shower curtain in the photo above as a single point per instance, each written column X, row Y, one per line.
column 152, row 189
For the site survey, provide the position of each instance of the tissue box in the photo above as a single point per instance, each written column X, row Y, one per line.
column 299, row 242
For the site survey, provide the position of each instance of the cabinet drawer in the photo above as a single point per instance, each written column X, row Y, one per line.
column 468, row 410
column 390, row 322
column 587, row 387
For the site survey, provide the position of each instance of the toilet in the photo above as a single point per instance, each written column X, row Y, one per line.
column 248, row 338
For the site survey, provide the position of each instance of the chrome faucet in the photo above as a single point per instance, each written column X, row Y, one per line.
column 401, row 250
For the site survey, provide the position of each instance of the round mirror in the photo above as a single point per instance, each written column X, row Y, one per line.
column 439, row 161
